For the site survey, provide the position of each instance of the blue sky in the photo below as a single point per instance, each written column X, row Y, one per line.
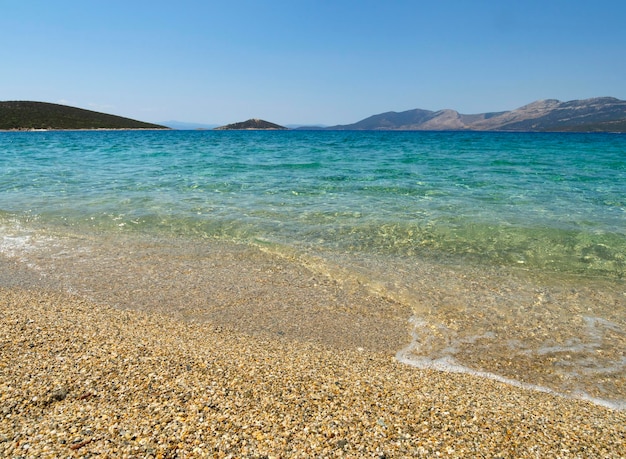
column 308, row 62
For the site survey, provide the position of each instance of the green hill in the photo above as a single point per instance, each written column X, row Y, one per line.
column 26, row 115
column 253, row 124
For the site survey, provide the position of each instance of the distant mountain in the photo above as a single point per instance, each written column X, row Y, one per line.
column 184, row 126
column 253, row 124
column 306, row 127
column 314, row 128
column 26, row 115
column 602, row 114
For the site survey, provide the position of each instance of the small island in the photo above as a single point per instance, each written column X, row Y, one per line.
column 253, row 124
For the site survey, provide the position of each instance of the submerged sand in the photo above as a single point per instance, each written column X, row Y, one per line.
column 81, row 379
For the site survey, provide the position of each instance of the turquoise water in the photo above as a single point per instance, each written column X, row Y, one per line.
column 553, row 202
column 385, row 208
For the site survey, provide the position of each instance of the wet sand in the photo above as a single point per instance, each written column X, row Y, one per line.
column 275, row 368
column 558, row 333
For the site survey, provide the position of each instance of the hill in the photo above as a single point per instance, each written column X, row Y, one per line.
column 253, row 124
column 601, row 114
column 26, row 115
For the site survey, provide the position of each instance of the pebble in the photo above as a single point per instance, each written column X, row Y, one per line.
column 125, row 384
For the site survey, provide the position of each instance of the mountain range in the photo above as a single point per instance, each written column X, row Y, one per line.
column 601, row 114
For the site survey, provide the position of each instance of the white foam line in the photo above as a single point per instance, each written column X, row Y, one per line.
column 13, row 245
column 449, row 365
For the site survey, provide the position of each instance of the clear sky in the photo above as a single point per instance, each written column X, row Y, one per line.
column 308, row 61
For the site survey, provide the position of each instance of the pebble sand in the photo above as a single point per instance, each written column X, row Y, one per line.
column 80, row 379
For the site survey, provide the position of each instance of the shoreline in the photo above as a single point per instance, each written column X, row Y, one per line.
column 269, row 294
column 80, row 378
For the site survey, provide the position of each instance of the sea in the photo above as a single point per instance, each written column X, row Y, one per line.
column 508, row 250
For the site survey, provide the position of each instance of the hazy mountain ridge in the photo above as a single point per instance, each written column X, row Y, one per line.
column 187, row 126
column 601, row 114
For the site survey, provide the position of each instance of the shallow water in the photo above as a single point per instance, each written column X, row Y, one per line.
column 507, row 252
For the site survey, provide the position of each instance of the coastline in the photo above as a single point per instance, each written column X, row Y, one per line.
column 79, row 378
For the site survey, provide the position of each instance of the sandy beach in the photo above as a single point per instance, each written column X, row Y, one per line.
column 81, row 379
